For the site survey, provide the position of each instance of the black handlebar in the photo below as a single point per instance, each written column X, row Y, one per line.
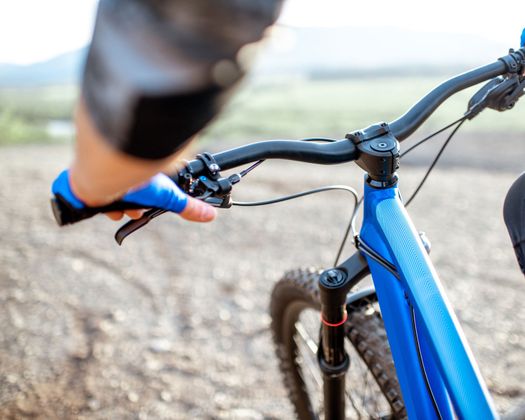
column 344, row 150
column 322, row 153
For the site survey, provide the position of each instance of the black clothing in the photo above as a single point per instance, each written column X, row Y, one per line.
column 159, row 70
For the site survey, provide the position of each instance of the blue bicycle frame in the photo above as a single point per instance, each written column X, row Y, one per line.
column 437, row 372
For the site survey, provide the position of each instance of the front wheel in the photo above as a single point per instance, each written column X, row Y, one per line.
column 372, row 388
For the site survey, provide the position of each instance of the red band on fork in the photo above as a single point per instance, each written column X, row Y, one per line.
column 345, row 317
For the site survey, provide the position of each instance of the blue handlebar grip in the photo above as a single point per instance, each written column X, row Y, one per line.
column 523, row 38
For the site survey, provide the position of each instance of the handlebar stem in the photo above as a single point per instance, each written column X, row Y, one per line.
column 378, row 153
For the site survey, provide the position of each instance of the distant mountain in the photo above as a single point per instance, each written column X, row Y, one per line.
column 317, row 52
column 351, row 49
column 63, row 69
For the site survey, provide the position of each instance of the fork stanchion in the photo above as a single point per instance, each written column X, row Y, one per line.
column 334, row 362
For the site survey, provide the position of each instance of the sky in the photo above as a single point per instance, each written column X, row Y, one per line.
column 36, row 30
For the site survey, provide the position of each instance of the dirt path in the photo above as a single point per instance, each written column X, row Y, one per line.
column 174, row 324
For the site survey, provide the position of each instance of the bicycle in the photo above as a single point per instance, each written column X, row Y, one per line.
column 435, row 374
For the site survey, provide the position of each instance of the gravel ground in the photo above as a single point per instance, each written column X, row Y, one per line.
column 174, row 324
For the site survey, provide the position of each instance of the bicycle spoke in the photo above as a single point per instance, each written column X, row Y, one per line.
column 308, row 347
column 352, row 401
column 312, row 367
column 312, row 345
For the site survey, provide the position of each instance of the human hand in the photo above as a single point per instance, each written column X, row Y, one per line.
column 159, row 192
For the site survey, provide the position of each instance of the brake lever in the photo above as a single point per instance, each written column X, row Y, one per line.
column 505, row 96
column 499, row 94
column 133, row 225
column 207, row 187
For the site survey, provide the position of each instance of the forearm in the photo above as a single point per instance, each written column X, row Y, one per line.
column 99, row 173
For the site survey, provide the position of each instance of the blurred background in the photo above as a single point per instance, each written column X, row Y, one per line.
column 325, row 69
column 90, row 330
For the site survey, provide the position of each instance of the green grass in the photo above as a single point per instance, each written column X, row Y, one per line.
column 25, row 112
column 16, row 130
column 292, row 109
column 40, row 104
column 335, row 107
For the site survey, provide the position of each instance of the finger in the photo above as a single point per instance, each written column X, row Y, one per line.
column 135, row 214
column 198, row 211
column 115, row 215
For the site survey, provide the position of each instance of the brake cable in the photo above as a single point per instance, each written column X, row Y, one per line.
column 297, row 195
column 420, row 142
column 435, row 161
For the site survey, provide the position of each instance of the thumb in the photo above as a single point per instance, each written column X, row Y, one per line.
column 198, row 211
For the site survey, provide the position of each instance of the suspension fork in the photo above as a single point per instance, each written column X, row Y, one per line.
column 334, row 285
